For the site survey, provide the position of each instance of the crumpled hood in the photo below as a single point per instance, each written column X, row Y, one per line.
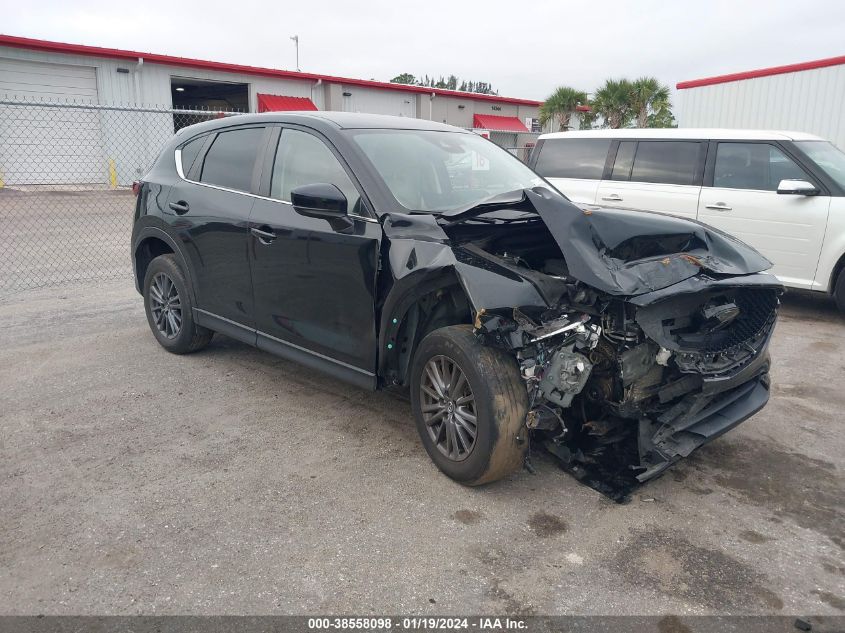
column 626, row 252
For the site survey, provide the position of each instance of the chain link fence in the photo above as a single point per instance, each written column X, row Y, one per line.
column 520, row 144
column 66, row 173
column 522, row 152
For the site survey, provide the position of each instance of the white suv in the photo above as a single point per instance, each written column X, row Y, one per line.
column 781, row 192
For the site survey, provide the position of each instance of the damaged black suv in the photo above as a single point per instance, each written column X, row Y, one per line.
column 400, row 253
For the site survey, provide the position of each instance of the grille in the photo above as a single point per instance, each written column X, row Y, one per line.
column 757, row 311
column 712, row 322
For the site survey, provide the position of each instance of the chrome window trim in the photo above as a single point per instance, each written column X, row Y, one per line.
column 181, row 173
column 179, row 163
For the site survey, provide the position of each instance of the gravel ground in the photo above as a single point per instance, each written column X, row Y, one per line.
column 229, row 481
column 63, row 234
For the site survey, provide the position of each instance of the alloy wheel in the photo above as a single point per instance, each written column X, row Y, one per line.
column 448, row 408
column 165, row 305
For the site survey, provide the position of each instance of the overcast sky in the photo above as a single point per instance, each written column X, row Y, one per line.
column 524, row 48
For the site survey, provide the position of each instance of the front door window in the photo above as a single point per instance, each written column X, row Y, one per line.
column 757, row 166
column 303, row 159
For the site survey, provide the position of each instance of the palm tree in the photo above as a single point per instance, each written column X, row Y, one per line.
column 649, row 96
column 613, row 101
column 560, row 105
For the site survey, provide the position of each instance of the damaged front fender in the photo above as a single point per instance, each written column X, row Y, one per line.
column 418, row 244
column 422, row 261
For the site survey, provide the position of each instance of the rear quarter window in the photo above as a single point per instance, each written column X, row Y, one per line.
column 572, row 158
column 189, row 151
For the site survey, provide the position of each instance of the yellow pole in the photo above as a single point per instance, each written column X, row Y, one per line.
column 2, row 182
column 112, row 173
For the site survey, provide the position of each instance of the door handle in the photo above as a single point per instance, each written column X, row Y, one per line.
column 719, row 206
column 180, row 207
column 614, row 197
column 264, row 235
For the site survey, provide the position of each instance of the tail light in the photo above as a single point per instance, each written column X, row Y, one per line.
column 136, row 187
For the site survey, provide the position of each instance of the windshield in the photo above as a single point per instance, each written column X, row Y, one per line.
column 429, row 171
column 828, row 157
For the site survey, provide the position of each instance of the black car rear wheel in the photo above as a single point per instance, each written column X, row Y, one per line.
column 169, row 308
column 165, row 305
column 839, row 291
column 469, row 403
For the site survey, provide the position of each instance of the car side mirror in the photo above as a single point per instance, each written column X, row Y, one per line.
column 797, row 188
column 319, row 200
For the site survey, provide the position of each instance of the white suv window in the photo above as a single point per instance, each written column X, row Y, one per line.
column 757, row 166
column 572, row 158
column 624, row 161
column 666, row 162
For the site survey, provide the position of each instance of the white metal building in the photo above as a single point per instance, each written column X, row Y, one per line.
column 35, row 70
column 805, row 97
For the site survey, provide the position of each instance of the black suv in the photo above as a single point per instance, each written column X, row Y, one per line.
column 400, row 253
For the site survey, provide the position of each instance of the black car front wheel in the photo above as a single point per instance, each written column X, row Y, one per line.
column 469, row 403
column 169, row 309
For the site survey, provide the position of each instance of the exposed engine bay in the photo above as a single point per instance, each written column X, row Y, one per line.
column 641, row 382
column 639, row 336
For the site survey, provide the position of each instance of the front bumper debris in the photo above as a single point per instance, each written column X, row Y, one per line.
column 696, row 420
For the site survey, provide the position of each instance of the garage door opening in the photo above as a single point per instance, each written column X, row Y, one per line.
column 198, row 94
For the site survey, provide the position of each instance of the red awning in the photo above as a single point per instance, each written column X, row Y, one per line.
column 498, row 123
column 281, row 103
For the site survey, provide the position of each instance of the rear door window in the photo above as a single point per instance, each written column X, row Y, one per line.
column 572, row 158
column 758, row 166
column 230, row 159
column 667, row 162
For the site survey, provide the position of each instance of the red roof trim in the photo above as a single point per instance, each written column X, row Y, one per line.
column 80, row 49
column 498, row 123
column 762, row 72
column 583, row 108
column 282, row 103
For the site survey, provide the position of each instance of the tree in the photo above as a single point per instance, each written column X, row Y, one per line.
column 560, row 106
column 662, row 117
column 404, row 78
column 614, row 102
column 587, row 120
column 484, row 88
column 446, row 83
column 648, row 97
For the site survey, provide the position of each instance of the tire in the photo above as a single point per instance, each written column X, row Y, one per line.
column 171, row 317
column 839, row 291
column 499, row 404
